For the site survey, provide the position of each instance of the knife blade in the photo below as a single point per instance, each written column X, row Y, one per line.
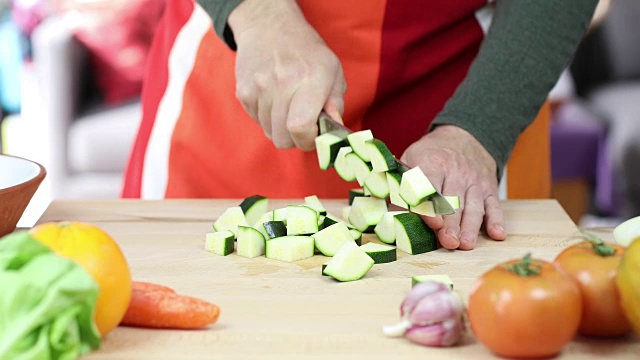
column 327, row 125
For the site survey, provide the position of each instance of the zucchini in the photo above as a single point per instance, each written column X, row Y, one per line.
column 254, row 207
column 230, row 219
column 415, row 187
column 360, row 167
column 290, row 248
column 342, row 166
column 315, row 203
column 251, row 243
column 280, row 214
column 366, row 212
column 380, row 253
column 259, row 225
column 327, row 146
column 381, row 158
column 445, row 279
column 301, row 220
column 329, row 240
column 220, row 243
column 326, row 222
column 274, row 229
column 345, row 212
column 393, row 181
column 357, row 236
column 386, row 230
column 376, row 183
column 413, row 236
column 324, row 266
column 427, row 208
column 349, row 263
column 353, row 193
column 357, row 141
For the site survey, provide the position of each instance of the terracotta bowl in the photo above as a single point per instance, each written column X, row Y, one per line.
column 19, row 180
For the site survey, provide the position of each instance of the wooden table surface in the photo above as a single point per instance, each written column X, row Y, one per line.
column 278, row 310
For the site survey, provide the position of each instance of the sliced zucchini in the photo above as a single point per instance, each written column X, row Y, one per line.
column 220, row 243
column 324, row 266
column 290, row 248
column 327, row 146
column 280, row 214
column 329, row 240
column 386, row 230
column 326, row 222
column 254, row 207
column 259, row 225
column 427, row 207
column 376, row 183
column 230, row 219
column 357, row 236
column 251, row 243
column 342, row 166
column 445, row 279
column 413, row 236
column 274, row 229
column 381, row 158
column 315, row 203
column 353, row 193
column 453, row 200
column 345, row 212
column 393, row 180
column 380, row 253
column 366, row 212
column 360, row 167
column 415, row 187
column 350, row 263
column 301, row 220
column 357, row 141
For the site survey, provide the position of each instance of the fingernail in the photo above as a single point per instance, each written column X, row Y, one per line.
column 498, row 228
column 452, row 233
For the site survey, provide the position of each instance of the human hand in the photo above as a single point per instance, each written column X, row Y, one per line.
column 285, row 73
column 457, row 164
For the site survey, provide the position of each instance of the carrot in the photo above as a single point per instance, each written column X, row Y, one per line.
column 158, row 306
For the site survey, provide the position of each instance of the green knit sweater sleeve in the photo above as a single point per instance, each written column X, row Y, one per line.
column 528, row 45
column 219, row 11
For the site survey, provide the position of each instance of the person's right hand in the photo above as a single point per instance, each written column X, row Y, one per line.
column 285, row 73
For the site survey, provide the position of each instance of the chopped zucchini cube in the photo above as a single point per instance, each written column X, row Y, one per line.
column 350, row 263
column 290, row 248
column 220, row 243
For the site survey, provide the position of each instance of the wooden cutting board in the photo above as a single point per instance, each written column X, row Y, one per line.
column 278, row 310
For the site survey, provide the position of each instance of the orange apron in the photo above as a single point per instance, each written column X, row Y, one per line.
column 402, row 60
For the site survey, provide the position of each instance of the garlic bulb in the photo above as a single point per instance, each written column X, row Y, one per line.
column 431, row 315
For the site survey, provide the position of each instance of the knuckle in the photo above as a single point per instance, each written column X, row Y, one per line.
column 244, row 93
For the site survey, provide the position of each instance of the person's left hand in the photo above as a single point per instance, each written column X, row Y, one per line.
column 457, row 164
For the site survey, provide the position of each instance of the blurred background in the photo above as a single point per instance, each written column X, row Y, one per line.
column 71, row 75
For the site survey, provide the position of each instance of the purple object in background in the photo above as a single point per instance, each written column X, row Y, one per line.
column 579, row 150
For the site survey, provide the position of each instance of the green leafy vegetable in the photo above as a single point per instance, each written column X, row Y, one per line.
column 46, row 303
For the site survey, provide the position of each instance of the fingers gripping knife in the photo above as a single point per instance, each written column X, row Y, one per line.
column 327, row 125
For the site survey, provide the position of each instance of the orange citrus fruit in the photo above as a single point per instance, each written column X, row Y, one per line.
column 98, row 253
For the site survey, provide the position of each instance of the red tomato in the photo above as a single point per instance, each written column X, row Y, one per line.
column 525, row 308
column 595, row 272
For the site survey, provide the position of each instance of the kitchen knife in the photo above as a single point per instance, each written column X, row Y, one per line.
column 327, row 125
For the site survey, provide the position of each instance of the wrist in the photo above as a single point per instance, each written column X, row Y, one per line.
column 473, row 146
column 252, row 13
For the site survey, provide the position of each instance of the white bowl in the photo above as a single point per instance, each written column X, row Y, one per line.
column 19, row 180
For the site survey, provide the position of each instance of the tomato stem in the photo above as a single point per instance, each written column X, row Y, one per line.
column 525, row 267
column 599, row 246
